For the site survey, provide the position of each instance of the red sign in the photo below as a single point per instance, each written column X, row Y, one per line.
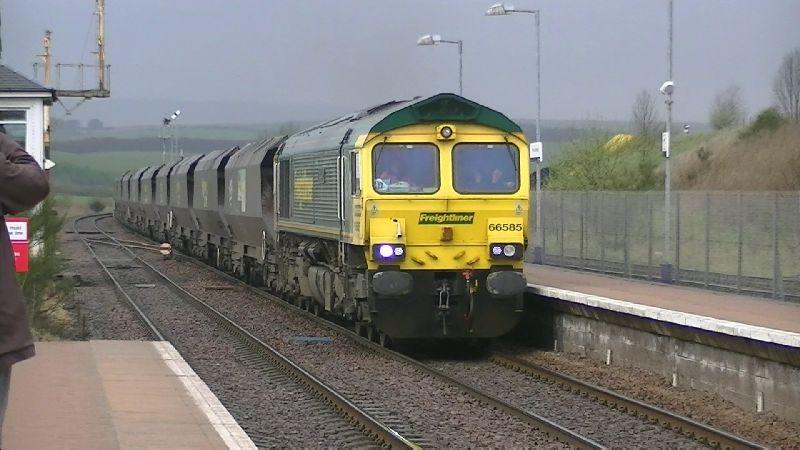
column 20, row 256
column 18, row 232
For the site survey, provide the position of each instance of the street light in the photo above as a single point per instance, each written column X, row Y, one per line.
column 433, row 39
column 667, row 89
column 168, row 123
column 500, row 9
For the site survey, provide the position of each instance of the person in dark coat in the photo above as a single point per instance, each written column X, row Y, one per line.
column 23, row 184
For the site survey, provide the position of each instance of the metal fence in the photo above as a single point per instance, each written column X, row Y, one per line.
column 745, row 242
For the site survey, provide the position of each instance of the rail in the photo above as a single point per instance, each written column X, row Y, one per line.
column 701, row 432
column 368, row 424
column 550, row 428
column 149, row 325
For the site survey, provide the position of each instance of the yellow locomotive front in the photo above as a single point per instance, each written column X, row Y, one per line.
column 443, row 218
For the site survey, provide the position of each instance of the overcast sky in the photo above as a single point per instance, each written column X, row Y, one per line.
column 250, row 61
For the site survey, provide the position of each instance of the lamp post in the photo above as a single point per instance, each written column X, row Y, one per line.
column 500, row 9
column 168, row 123
column 433, row 39
column 667, row 89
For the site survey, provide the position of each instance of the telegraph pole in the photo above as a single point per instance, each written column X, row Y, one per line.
column 101, row 44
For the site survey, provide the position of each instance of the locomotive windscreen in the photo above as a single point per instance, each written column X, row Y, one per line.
column 486, row 168
column 405, row 168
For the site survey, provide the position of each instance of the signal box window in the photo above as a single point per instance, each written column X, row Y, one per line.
column 13, row 123
column 486, row 168
column 405, row 168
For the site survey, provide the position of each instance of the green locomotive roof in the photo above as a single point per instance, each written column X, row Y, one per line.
column 392, row 115
column 445, row 108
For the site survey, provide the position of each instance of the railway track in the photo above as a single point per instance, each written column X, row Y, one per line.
column 700, row 433
column 140, row 315
column 549, row 430
column 251, row 350
column 684, row 425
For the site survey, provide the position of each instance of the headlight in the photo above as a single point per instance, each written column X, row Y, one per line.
column 389, row 252
column 506, row 251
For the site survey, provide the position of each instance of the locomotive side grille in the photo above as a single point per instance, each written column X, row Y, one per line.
column 314, row 180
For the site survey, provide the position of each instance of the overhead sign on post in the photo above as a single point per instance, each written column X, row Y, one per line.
column 18, row 232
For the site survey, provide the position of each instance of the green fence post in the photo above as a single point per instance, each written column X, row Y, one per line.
column 740, row 243
column 583, row 218
column 777, row 281
column 677, row 236
column 625, row 237
column 650, row 234
column 708, row 239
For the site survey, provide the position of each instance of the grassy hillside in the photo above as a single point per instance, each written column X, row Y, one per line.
column 736, row 160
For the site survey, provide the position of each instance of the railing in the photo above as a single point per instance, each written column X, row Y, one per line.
column 745, row 242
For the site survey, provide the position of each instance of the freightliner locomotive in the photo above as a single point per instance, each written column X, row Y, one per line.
column 409, row 218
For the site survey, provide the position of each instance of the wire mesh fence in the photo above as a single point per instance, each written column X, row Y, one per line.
column 746, row 242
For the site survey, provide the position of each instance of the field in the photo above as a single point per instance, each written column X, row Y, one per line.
column 93, row 174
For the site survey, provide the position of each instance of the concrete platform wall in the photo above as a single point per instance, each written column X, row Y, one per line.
column 685, row 355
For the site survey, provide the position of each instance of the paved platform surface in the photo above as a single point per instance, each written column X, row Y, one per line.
column 112, row 395
column 757, row 318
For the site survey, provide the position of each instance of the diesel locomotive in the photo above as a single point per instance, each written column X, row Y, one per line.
column 409, row 218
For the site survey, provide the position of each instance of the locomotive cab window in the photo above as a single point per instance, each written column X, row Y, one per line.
column 486, row 168
column 405, row 168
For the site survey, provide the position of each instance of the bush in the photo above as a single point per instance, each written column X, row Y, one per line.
column 44, row 291
column 592, row 164
column 767, row 120
column 97, row 205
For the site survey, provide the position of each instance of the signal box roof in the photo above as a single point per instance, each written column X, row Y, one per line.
column 11, row 81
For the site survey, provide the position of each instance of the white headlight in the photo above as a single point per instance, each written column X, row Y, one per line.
column 385, row 250
column 496, row 250
column 509, row 250
column 398, row 251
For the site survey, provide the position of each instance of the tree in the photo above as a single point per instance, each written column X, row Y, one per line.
column 727, row 110
column 97, row 205
column 95, row 124
column 786, row 85
column 644, row 118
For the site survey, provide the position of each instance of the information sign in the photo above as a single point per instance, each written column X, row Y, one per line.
column 18, row 233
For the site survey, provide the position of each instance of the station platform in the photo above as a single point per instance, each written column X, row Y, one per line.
column 760, row 319
column 114, row 395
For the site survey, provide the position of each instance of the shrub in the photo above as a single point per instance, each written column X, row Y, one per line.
column 767, row 120
column 591, row 164
column 97, row 205
column 44, row 291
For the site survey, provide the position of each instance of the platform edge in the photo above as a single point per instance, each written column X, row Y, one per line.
column 218, row 416
column 738, row 329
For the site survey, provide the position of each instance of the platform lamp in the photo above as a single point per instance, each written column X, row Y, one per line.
column 169, row 123
column 433, row 39
column 536, row 153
